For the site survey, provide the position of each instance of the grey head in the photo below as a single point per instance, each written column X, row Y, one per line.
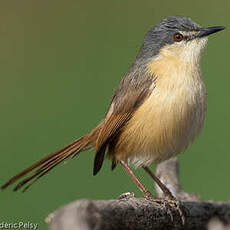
column 173, row 30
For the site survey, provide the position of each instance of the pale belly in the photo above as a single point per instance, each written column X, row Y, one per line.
column 162, row 127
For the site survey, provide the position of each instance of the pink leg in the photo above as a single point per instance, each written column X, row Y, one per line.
column 135, row 179
column 165, row 190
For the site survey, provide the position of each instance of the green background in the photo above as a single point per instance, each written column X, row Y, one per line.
column 59, row 64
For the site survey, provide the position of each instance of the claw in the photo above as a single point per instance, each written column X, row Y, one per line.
column 168, row 204
column 176, row 204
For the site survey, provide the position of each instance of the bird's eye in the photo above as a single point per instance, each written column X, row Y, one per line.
column 178, row 37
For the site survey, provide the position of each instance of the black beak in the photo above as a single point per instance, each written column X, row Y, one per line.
column 209, row 30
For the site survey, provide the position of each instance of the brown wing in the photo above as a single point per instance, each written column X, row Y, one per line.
column 128, row 97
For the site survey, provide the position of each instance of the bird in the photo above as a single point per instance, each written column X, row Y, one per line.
column 155, row 113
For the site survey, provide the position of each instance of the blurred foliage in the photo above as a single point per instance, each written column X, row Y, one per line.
column 60, row 62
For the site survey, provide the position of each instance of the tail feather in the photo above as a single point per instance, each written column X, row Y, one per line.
column 38, row 174
column 50, row 161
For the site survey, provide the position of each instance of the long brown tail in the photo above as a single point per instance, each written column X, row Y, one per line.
column 47, row 163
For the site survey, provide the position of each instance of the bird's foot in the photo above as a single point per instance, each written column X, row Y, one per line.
column 148, row 195
column 168, row 203
column 176, row 204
